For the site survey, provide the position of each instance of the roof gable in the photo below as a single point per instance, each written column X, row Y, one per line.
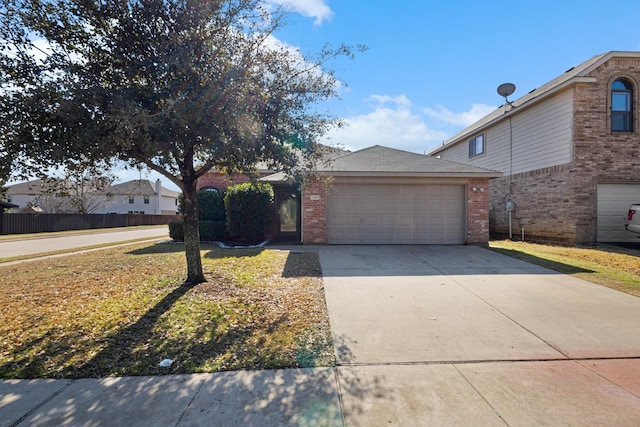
column 130, row 188
column 379, row 160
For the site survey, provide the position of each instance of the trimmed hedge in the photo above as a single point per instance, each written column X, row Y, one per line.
column 211, row 206
column 209, row 230
column 249, row 209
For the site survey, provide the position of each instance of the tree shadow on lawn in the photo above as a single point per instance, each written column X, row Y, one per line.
column 212, row 250
column 137, row 349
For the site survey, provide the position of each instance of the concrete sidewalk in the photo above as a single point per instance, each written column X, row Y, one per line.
column 424, row 336
column 247, row 398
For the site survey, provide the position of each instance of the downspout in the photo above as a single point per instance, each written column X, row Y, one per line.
column 510, row 205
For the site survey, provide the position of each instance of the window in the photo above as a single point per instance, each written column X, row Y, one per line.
column 146, row 200
column 131, row 200
column 8, row 198
column 476, row 146
column 621, row 97
column 210, row 189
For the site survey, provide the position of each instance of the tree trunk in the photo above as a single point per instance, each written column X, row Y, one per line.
column 192, row 234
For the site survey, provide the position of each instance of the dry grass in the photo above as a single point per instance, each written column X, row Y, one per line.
column 121, row 311
column 612, row 266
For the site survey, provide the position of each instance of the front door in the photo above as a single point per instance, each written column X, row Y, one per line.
column 287, row 214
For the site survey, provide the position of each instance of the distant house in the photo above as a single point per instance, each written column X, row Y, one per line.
column 138, row 196
column 569, row 152
column 24, row 194
column 381, row 195
column 141, row 197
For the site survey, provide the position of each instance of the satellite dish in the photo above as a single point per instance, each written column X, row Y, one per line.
column 506, row 89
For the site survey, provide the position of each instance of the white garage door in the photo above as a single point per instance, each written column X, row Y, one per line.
column 396, row 214
column 613, row 205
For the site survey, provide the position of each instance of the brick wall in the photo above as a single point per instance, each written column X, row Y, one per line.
column 478, row 211
column 221, row 180
column 314, row 213
column 602, row 156
column 544, row 207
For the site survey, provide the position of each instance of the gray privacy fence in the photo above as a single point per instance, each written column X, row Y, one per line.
column 20, row 223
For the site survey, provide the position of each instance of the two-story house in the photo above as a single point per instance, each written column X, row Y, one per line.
column 569, row 152
column 137, row 196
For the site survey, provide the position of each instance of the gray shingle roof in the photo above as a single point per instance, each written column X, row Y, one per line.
column 381, row 161
column 135, row 187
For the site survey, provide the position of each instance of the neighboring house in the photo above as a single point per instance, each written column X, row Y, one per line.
column 569, row 151
column 37, row 194
column 138, row 196
column 380, row 195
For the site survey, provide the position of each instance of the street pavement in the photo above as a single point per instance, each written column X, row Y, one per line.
column 34, row 244
column 423, row 335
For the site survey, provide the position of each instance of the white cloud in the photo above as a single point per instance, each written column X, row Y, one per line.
column 463, row 119
column 317, row 9
column 392, row 123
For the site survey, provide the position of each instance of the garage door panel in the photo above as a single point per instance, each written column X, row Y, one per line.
column 396, row 214
column 613, row 204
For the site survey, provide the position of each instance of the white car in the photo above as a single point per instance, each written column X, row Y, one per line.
column 633, row 219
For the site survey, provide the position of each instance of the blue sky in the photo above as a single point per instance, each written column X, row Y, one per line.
column 432, row 67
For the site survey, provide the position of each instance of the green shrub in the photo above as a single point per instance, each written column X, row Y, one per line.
column 249, row 209
column 210, row 205
column 176, row 231
column 209, row 230
column 212, row 230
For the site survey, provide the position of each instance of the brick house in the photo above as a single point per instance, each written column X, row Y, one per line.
column 380, row 195
column 569, row 151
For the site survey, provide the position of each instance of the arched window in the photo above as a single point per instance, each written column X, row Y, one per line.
column 214, row 189
column 621, row 101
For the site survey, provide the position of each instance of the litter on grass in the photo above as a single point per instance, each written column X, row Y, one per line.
column 166, row 363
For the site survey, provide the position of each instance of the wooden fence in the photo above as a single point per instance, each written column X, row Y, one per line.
column 21, row 223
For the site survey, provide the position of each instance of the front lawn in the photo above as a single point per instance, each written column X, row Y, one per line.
column 121, row 311
column 612, row 266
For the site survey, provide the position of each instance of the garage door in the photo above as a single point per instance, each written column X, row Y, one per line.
column 396, row 214
column 613, row 205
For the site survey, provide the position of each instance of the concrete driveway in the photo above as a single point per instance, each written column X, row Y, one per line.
column 460, row 335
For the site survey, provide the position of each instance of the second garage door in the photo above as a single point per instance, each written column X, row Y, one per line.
column 396, row 214
column 613, row 204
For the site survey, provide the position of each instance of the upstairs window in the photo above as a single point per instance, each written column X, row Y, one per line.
column 621, row 97
column 476, row 146
column 146, row 200
column 131, row 200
